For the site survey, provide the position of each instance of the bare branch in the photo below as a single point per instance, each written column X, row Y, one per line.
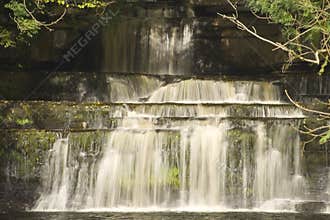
column 312, row 55
column 305, row 108
column 46, row 25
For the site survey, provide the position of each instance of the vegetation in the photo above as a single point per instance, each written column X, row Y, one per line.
column 305, row 25
column 27, row 149
column 173, row 177
column 21, row 20
column 320, row 128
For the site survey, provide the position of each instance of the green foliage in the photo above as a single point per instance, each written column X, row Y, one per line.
column 325, row 138
column 27, row 26
column 324, row 65
column 78, row 4
column 26, row 16
column 289, row 12
column 173, row 177
column 305, row 23
column 5, row 38
column 23, row 121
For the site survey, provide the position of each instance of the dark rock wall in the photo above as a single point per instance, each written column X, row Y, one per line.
column 160, row 37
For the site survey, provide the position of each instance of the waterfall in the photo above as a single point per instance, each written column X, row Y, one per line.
column 217, row 91
column 207, row 166
column 56, row 178
column 277, row 173
column 134, row 171
column 212, row 165
column 157, row 47
column 122, row 89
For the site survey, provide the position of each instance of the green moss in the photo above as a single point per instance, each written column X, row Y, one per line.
column 23, row 121
column 87, row 141
column 240, row 135
column 173, row 177
column 240, row 155
column 25, row 150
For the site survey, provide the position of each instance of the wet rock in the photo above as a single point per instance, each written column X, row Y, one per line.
column 311, row 207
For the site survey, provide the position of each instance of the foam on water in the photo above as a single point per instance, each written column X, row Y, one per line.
column 186, row 167
column 201, row 166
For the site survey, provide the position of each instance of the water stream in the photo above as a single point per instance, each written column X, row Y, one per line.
column 142, row 165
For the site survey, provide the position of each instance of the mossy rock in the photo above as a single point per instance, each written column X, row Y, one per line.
column 23, row 152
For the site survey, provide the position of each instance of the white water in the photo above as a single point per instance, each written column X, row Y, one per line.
column 56, row 178
column 277, row 173
column 133, row 171
column 122, row 89
column 212, row 110
column 203, row 167
column 157, row 48
column 252, row 165
column 207, row 167
column 190, row 91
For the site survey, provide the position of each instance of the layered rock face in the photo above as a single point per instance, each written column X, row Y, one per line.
column 172, row 109
column 159, row 37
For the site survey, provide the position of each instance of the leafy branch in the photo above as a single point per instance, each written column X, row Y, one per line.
column 321, row 132
column 305, row 26
column 30, row 16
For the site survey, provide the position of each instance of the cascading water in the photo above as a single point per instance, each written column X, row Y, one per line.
column 153, row 47
column 217, row 92
column 134, row 171
column 207, row 167
column 56, row 178
column 277, row 170
column 243, row 163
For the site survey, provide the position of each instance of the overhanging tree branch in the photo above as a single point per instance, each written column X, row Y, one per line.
column 306, row 53
column 44, row 24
